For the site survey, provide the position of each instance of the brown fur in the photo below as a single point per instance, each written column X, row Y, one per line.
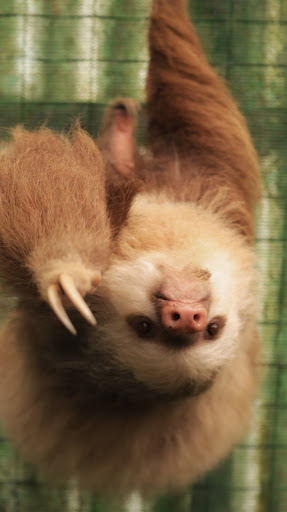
column 201, row 126
column 116, row 411
column 45, row 180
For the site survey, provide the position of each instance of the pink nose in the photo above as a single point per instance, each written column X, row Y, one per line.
column 184, row 318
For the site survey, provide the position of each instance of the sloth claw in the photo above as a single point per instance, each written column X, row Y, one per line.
column 69, row 288
column 66, row 285
column 53, row 296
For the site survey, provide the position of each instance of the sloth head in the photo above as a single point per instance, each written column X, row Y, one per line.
column 179, row 297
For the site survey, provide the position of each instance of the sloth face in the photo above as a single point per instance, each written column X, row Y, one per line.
column 178, row 308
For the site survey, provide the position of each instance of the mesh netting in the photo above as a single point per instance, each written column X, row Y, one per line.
column 61, row 59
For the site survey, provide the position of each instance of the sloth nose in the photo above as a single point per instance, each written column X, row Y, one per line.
column 182, row 318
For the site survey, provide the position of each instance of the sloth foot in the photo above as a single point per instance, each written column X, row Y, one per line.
column 117, row 134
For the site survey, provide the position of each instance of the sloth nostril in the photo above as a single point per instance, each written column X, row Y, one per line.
column 184, row 318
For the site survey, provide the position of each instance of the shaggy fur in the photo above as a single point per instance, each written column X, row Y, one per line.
column 45, row 180
column 146, row 400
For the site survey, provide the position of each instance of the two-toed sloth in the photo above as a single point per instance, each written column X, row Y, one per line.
column 159, row 387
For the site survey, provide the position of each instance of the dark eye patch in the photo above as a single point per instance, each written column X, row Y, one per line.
column 143, row 326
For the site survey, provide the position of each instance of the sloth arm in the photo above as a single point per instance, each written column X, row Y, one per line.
column 55, row 233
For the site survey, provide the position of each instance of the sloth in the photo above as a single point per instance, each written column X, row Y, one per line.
column 130, row 360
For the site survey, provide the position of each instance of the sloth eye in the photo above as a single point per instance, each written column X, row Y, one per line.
column 142, row 325
column 212, row 328
column 215, row 327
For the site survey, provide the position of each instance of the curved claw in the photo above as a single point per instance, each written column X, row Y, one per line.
column 67, row 283
column 57, row 306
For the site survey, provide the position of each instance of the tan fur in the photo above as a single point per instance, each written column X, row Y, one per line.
column 45, row 180
column 121, row 449
column 113, row 409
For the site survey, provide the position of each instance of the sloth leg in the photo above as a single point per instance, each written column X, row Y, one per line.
column 117, row 135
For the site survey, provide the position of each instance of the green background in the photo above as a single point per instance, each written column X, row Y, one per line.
column 60, row 59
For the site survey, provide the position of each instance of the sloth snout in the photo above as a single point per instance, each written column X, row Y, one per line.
column 182, row 318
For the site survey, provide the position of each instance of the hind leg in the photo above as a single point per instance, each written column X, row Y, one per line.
column 117, row 135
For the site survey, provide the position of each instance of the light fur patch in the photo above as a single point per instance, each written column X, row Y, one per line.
column 130, row 285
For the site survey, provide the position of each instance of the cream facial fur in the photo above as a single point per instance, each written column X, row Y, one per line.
column 135, row 276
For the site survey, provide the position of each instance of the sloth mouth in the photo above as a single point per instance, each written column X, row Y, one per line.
column 180, row 341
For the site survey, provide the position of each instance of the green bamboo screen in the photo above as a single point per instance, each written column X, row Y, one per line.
column 60, row 59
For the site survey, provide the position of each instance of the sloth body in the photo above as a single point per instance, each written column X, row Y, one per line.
column 160, row 390
column 120, row 410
